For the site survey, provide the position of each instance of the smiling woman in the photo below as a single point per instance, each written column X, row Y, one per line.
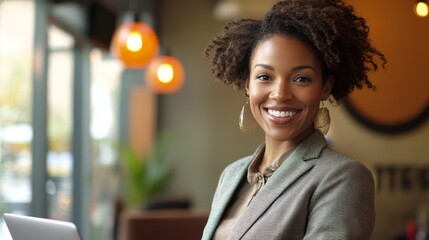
column 285, row 88
column 294, row 186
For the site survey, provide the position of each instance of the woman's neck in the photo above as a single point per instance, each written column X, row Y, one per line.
column 273, row 151
column 274, row 148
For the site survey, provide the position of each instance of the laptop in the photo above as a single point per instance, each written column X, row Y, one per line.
column 32, row 228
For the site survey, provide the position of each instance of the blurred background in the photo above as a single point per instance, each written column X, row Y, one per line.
column 69, row 107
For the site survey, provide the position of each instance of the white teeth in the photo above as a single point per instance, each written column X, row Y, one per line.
column 281, row 113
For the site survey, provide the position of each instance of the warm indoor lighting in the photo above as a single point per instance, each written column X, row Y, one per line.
column 135, row 44
column 165, row 74
column 421, row 9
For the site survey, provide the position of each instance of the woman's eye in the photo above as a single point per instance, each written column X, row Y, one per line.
column 302, row 80
column 263, row 77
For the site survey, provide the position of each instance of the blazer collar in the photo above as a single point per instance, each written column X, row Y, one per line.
column 234, row 178
column 291, row 169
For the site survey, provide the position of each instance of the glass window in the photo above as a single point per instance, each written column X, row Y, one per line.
column 16, row 48
column 105, row 75
column 59, row 158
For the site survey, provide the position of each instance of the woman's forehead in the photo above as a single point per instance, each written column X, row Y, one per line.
column 283, row 49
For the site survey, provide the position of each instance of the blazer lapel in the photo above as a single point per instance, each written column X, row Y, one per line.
column 226, row 191
column 290, row 170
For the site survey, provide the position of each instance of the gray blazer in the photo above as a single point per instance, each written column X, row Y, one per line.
column 316, row 193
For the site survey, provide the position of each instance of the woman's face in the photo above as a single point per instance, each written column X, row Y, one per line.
column 285, row 88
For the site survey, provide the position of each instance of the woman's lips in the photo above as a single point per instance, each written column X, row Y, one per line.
column 281, row 116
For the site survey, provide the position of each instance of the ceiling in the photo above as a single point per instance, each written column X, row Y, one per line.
column 115, row 6
column 232, row 9
column 98, row 18
column 222, row 9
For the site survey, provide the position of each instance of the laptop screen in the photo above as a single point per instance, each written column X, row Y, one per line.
column 32, row 228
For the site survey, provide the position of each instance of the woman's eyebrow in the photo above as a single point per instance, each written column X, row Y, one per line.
column 298, row 68
column 294, row 69
column 264, row 66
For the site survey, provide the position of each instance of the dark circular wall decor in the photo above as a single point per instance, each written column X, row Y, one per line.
column 410, row 123
column 400, row 102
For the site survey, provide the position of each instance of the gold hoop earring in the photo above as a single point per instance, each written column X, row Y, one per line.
column 247, row 121
column 322, row 121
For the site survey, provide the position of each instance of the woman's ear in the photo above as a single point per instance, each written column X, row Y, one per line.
column 327, row 87
column 246, row 88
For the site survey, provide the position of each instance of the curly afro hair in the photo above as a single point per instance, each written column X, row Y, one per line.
column 338, row 37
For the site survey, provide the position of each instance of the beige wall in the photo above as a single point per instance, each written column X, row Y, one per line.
column 204, row 113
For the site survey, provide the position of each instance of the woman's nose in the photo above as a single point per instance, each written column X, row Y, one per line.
column 281, row 91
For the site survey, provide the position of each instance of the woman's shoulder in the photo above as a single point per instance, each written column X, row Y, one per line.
column 329, row 155
column 333, row 162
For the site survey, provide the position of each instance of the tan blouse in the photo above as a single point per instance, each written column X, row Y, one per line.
column 247, row 191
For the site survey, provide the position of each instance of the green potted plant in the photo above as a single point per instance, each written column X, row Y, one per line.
column 146, row 176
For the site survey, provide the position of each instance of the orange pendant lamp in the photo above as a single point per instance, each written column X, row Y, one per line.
column 135, row 44
column 421, row 8
column 165, row 74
